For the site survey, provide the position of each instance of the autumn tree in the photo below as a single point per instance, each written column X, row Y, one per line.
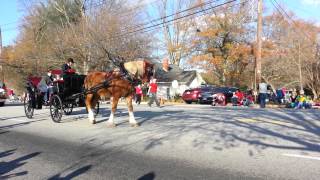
column 176, row 36
column 53, row 30
column 291, row 58
column 224, row 47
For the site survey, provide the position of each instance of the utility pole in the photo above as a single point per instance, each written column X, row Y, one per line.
column 300, row 68
column 1, row 68
column 259, row 44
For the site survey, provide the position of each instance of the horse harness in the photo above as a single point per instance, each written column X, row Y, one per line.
column 124, row 74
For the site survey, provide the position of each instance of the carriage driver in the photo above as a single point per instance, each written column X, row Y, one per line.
column 66, row 68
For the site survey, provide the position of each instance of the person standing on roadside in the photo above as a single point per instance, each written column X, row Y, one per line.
column 138, row 94
column 263, row 90
column 152, row 92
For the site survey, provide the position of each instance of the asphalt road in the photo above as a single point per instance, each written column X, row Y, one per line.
column 173, row 142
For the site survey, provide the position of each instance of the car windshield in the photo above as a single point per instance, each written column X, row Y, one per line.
column 218, row 90
column 206, row 89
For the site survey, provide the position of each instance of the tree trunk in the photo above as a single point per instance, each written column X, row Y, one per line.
column 85, row 67
column 315, row 94
column 269, row 83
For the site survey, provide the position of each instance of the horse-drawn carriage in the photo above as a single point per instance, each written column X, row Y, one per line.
column 80, row 90
column 65, row 95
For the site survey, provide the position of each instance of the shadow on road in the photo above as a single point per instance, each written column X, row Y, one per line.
column 149, row 176
column 8, row 118
column 220, row 129
column 19, row 124
column 224, row 128
column 4, row 132
column 14, row 104
column 71, row 175
column 7, row 167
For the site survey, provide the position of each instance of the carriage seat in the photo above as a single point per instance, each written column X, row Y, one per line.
column 58, row 72
column 34, row 80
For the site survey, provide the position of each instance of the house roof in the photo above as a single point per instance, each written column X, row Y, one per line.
column 174, row 73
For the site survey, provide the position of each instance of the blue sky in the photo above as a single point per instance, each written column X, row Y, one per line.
column 305, row 9
column 11, row 13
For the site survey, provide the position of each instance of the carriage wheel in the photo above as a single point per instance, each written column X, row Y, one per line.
column 67, row 108
column 28, row 108
column 95, row 109
column 56, row 108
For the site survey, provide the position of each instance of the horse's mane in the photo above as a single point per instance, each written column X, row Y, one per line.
column 135, row 68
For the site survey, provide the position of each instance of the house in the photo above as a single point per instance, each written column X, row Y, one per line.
column 172, row 80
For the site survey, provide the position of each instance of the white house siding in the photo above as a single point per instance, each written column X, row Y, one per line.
column 162, row 91
column 163, row 86
column 197, row 81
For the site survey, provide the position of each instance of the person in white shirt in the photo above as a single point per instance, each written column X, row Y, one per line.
column 263, row 90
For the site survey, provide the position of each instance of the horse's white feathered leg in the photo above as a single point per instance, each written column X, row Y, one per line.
column 91, row 116
column 110, row 122
column 132, row 120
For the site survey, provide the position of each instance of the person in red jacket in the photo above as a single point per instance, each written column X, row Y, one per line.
column 138, row 94
column 240, row 96
column 152, row 92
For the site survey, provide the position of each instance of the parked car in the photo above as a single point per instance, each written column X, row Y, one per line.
column 206, row 97
column 204, row 94
column 195, row 94
column 3, row 96
column 228, row 92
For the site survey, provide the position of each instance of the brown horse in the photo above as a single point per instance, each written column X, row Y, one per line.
column 120, row 84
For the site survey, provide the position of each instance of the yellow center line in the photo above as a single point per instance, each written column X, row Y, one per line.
column 264, row 120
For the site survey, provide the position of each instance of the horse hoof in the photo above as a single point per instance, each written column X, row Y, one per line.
column 111, row 125
column 135, row 125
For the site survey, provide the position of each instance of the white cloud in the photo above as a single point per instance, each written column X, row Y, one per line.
column 311, row 2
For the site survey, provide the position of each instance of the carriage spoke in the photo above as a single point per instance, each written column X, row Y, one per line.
column 28, row 108
column 56, row 108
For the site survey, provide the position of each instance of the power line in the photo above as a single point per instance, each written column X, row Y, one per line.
column 6, row 24
column 158, row 27
column 198, row 13
column 157, row 19
column 10, row 29
column 175, row 19
column 299, row 8
column 128, row 11
column 179, row 12
column 282, row 11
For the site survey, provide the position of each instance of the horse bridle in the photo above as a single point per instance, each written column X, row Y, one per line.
column 150, row 71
